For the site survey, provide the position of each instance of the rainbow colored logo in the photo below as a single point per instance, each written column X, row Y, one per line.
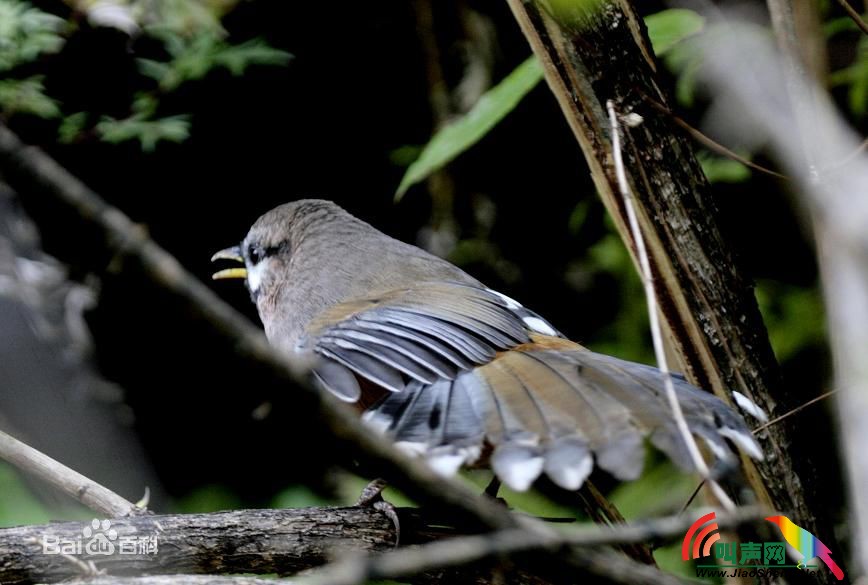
column 749, row 559
column 808, row 545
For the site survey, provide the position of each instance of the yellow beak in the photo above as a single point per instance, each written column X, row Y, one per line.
column 234, row 254
column 230, row 273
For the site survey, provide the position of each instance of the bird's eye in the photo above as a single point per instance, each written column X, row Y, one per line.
column 254, row 253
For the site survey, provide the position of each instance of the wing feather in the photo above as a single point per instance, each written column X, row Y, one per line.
column 473, row 371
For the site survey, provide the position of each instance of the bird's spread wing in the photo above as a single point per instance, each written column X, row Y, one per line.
column 470, row 370
column 426, row 333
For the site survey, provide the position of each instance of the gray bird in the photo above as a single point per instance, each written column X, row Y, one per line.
column 453, row 371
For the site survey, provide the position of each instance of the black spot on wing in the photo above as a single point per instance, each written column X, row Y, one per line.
column 434, row 417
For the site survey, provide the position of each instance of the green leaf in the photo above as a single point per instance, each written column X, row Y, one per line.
column 685, row 61
column 858, row 93
column 254, row 52
column 26, row 33
column 460, row 135
column 579, row 216
column 71, row 127
column 661, row 489
column 299, row 497
column 669, row 27
column 18, row 506
column 194, row 58
column 145, row 104
column 209, row 498
column 839, row 25
column 27, row 96
column 156, row 70
column 723, row 170
column 794, row 316
column 147, row 132
column 190, row 17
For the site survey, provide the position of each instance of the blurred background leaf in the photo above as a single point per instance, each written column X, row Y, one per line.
column 190, row 33
column 27, row 96
column 669, row 27
column 666, row 29
column 147, row 132
column 461, row 134
column 26, row 33
column 719, row 169
column 18, row 506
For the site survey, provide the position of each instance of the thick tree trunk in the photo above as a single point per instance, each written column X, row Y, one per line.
column 713, row 322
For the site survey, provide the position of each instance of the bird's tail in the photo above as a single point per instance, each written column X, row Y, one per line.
column 826, row 557
column 554, row 407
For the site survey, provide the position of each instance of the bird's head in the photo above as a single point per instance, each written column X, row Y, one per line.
column 267, row 250
column 304, row 257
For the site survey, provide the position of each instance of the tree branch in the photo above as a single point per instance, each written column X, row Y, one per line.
column 854, row 16
column 178, row 580
column 287, row 541
column 575, row 541
column 245, row 541
column 712, row 144
column 93, row 495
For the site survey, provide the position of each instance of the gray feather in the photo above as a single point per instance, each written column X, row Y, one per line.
column 366, row 367
column 428, row 342
column 623, row 455
column 568, row 462
column 410, row 350
column 338, row 380
column 518, row 465
column 388, row 356
column 474, row 348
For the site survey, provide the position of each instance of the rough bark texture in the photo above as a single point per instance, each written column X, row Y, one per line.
column 175, row 580
column 470, row 579
column 707, row 305
column 286, row 542
column 245, row 541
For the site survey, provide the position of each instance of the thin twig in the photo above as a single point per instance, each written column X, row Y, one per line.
column 855, row 16
column 692, row 497
column 760, row 428
column 653, row 315
column 93, row 495
column 790, row 413
column 359, row 569
column 853, row 156
column 709, row 142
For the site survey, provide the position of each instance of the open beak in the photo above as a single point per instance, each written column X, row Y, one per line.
column 234, row 254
